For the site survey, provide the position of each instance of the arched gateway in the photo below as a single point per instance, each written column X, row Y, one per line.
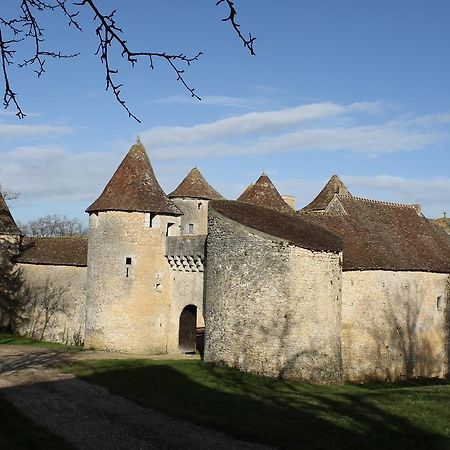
column 187, row 337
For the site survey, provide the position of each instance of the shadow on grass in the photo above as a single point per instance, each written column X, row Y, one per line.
column 284, row 414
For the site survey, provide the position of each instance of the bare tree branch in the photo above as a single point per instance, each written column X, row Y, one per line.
column 25, row 27
column 232, row 18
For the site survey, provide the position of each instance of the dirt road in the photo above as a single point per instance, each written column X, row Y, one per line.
column 88, row 416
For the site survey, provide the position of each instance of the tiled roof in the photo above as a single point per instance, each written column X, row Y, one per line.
column 333, row 186
column 134, row 187
column 57, row 251
column 264, row 193
column 195, row 185
column 285, row 226
column 7, row 223
column 385, row 236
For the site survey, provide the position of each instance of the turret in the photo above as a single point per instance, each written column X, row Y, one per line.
column 191, row 197
column 129, row 280
column 264, row 193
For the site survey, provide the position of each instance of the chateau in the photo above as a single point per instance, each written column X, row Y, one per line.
column 346, row 289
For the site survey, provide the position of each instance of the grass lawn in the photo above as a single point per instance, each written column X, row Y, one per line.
column 17, row 432
column 13, row 339
column 285, row 414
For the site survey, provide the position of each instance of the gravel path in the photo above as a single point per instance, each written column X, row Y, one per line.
column 88, row 416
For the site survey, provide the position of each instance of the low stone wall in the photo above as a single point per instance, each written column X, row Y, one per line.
column 271, row 308
column 394, row 325
column 55, row 303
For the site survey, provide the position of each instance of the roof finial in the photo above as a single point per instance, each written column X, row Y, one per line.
column 138, row 140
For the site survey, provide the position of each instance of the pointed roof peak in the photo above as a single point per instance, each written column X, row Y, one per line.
column 134, row 187
column 194, row 185
column 264, row 193
column 333, row 186
column 7, row 223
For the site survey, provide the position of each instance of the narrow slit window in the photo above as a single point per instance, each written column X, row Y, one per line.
column 128, row 265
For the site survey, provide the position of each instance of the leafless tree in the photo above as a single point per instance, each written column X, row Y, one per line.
column 8, row 194
column 25, row 28
column 11, row 281
column 53, row 225
column 43, row 302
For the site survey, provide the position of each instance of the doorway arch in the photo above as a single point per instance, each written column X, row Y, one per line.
column 187, row 336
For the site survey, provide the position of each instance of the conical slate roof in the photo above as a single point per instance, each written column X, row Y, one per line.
column 333, row 186
column 7, row 224
column 264, row 193
column 134, row 187
column 195, row 185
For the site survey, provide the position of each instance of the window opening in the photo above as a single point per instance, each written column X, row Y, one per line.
column 191, row 228
column 128, row 264
column 168, row 230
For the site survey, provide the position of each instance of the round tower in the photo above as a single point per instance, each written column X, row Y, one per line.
column 128, row 280
column 191, row 197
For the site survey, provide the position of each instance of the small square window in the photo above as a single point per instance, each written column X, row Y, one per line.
column 128, row 261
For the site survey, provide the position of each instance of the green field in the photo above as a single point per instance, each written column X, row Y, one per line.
column 12, row 339
column 284, row 414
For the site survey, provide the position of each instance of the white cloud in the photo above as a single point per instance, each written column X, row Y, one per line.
column 263, row 123
column 213, row 100
column 317, row 126
column 433, row 192
column 21, row 130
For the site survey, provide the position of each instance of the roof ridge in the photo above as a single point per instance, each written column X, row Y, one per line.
column 370, row 200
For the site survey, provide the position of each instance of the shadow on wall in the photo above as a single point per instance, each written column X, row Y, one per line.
column 279, row 351
column 408, row 345
column 282, row 414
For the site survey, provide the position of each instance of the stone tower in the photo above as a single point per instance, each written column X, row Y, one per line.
column 129, row 283
column 192, row 197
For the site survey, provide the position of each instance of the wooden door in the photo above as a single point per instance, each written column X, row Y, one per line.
column 187, row 338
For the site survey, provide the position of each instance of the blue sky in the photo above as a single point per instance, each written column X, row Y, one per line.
column 356, row 88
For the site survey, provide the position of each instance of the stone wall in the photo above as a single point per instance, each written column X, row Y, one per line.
column 55, row 298
column 394, row 325
column 186, row 257
column 271, row 308
column 129, row 282
column 195, row 215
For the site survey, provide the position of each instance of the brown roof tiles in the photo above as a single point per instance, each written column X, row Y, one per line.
column 195, row 185
column 134, row 187
column 264, row 193
column 55, row 251
column 333, row 186
column 385, row 236
column 7, row 223
column 289, row 227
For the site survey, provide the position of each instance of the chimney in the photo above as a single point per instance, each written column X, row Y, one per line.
column 290, row 200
